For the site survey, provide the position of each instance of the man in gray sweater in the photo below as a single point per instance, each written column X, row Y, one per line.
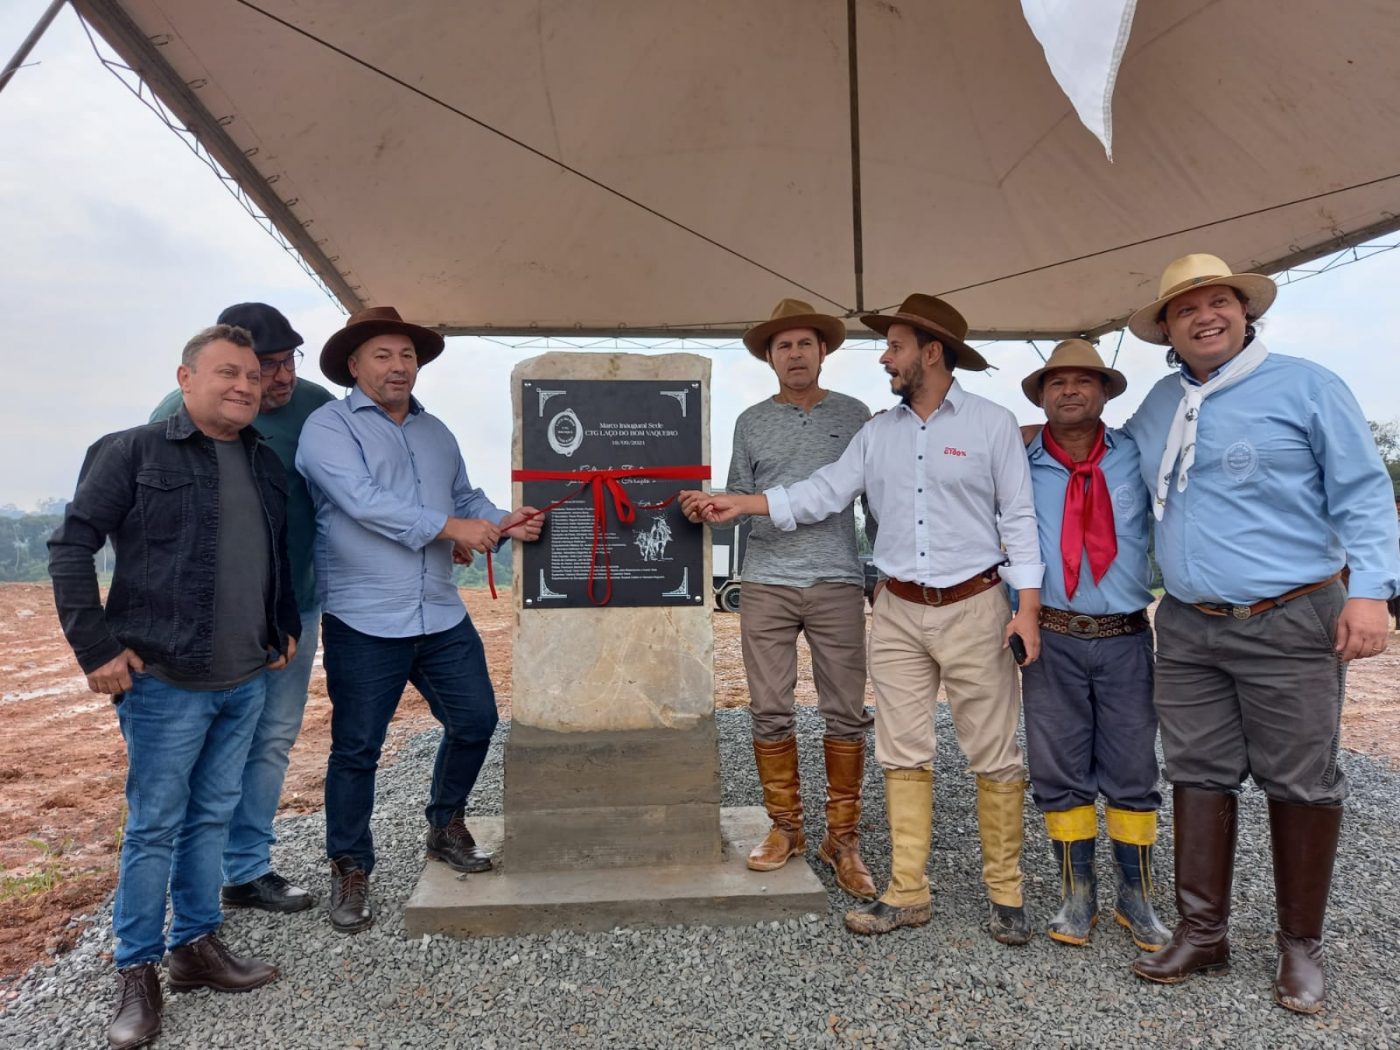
column 810, row 581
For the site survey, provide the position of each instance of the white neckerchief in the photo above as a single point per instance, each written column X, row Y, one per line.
column 1181, row 438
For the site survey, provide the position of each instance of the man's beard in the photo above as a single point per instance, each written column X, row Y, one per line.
column 913, row 384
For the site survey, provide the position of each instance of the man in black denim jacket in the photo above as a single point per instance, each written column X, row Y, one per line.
column 201, row 607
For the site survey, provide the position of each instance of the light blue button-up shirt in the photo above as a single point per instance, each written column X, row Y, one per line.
column 1124, row 588
column 949, row 493
column 382, row 494
column 1287, row 487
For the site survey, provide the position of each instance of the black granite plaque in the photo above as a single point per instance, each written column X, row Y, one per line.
column 582, row 425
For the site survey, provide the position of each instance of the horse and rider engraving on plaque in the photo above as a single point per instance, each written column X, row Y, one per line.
column 608, row 457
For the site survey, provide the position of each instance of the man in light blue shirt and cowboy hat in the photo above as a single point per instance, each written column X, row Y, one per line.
column 1277, row 542
column 394, row 506
column 1090, row 726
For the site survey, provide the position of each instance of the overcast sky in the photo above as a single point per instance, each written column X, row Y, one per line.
column 117, row 244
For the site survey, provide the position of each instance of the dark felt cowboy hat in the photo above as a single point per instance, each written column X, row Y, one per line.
column 932, row 315
column 366, row 324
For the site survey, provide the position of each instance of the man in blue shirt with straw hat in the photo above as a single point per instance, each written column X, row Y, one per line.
column 1090, row 726
column 1277, row 542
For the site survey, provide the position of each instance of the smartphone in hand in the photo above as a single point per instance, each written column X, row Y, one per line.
column 1018, row 649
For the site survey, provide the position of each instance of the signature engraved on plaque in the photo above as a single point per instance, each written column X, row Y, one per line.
column 652, row 543
column 565, row 433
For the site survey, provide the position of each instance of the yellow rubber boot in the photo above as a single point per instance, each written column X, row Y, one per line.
column 1073, row 833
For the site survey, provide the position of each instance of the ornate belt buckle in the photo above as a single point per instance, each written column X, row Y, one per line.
column 1082, row 626
column 1240, row 612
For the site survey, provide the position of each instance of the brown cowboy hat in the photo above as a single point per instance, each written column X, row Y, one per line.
column 1074, row 353
column 794, row 313
column 932, row 315
column 366, row 324
column 1193, row 271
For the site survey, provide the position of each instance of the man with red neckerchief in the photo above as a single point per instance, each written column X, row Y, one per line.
column 1090, row 724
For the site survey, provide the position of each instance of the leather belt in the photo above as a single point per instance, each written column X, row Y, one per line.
column 920, row 595
column 1081, row 625
column 1244, row 612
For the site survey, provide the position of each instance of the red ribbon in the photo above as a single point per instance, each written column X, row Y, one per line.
column 604, row 483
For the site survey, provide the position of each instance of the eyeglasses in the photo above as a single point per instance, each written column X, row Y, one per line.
column 271, row 368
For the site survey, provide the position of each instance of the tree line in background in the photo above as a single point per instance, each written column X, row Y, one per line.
column 24, row 554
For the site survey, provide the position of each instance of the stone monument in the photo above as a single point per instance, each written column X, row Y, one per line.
column 612, row 789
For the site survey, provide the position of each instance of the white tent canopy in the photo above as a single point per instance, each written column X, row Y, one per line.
column 673, row 167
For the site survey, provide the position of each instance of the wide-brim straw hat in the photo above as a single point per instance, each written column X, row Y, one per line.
column 1074, row 353
column 930, row 314
column 794, row 313
column 1195, row 271
column 366, row 324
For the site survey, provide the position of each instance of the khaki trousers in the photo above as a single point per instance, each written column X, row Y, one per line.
column 832, row 616
column 915, row 647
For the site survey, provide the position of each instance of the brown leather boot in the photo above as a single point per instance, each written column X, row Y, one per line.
column 136, row 1013
column 206, row 962
column 1204, row 827
column 1305, row 845
column 840, row 848
column 777, row 771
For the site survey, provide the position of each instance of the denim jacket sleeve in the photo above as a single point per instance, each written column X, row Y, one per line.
column 101, row 503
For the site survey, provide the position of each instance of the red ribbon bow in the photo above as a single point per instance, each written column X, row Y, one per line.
column 604, row 483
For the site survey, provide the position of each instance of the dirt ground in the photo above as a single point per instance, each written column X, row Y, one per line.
column 62, row 760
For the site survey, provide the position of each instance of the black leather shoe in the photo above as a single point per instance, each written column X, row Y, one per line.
column 136, row 1014
column 351, row 910
column 455, row 847
column 206, row 962
column 268, row 892
column 1008, row 924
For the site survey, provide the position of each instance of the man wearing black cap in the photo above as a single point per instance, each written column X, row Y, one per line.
column 287, row 400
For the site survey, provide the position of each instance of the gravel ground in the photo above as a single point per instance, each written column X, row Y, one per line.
column 803, row 983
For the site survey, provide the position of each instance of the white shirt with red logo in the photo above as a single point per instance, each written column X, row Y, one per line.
column 949, row 493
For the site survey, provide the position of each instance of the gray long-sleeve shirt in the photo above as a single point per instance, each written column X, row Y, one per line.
column 776, row 443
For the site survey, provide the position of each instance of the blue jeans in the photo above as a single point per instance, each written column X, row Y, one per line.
column 185, row 751
column 365, row 677
column 250, row 836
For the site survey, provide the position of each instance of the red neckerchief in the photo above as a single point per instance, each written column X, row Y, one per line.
column 1088, row 518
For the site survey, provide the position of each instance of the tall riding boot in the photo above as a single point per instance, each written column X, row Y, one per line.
column 1305, row 845
column 1073, row 833
column 905, row 902
column 777, row 771
column 1205, row 824
column 840, row 849
column 1133, row 834
column 1000, row 807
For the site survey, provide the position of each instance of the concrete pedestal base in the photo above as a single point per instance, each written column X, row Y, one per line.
column 504, row 902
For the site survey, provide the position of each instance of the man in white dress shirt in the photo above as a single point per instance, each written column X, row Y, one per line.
column 947, row 480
